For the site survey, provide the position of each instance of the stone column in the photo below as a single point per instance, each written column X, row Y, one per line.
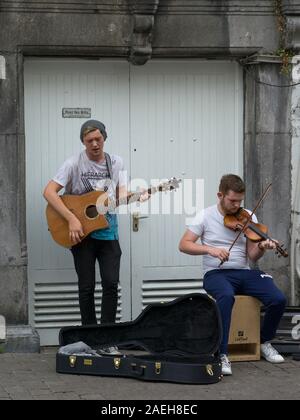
column 268, row 158
column 295, row 199
column 13, row 255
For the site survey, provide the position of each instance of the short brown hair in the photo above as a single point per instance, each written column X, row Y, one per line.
column 233, row 183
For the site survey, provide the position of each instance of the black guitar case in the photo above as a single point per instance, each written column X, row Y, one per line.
column 180, row 340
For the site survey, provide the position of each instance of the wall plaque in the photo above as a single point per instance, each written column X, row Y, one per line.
column 76, row 112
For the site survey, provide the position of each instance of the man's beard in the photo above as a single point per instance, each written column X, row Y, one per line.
column 225, row 209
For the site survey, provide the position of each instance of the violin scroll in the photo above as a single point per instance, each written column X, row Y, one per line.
column 281, row 252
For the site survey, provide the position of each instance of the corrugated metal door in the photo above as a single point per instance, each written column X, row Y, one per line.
column 186, row 121
column 166, row 119
column 51, row 86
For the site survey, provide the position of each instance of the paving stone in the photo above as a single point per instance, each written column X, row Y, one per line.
column 33, row 376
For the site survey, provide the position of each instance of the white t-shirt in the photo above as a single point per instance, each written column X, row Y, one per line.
column 79, row 175
column 208, row 224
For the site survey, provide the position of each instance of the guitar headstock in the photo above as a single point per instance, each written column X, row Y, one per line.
column 169, row 185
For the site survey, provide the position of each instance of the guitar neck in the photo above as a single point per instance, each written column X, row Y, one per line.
column 133, row 197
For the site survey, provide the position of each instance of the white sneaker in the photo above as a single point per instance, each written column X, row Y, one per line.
column 270, row 354
column 110, row 351
column 226, row 365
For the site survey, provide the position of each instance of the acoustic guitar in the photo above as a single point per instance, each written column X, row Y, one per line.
column 90, row 209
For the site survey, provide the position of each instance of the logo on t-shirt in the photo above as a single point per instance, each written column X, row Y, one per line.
column 98, row 181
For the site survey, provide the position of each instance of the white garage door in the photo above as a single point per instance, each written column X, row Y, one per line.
column 173, row 118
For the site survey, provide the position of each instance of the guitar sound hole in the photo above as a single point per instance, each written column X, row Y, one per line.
column 91, row 212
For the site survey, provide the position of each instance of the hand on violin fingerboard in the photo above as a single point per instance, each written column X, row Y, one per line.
column 268, row 244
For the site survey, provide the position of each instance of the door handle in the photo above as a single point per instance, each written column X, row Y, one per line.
column 135, row 221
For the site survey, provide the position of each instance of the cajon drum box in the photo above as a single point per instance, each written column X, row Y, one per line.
column 244, row 336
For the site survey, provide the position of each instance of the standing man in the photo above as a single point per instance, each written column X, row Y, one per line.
column 91, row 170
column 234, row 276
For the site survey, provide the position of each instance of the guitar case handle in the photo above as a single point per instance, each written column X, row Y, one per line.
column 138, row 370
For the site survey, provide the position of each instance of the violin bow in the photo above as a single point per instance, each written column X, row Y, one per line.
column 249, row 218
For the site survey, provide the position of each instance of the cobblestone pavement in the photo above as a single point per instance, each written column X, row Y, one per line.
column 33, row 377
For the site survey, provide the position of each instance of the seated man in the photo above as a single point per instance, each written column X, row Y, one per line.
column 228, row 274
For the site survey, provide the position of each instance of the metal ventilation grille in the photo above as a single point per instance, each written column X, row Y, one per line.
column 56, row 305
column 155, row 291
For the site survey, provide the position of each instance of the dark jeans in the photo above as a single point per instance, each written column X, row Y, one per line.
column 108, row 254
column 223, row 285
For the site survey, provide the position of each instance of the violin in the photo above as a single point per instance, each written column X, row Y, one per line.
column 256, row 232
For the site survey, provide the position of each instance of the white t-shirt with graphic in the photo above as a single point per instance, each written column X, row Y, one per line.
column 79, row 175
column 208, row 224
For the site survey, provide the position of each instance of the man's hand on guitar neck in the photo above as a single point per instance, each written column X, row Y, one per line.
column 144, row 195
column 131, row 197
column 75, row 230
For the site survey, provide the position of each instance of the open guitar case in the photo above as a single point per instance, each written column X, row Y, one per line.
column 180, row 342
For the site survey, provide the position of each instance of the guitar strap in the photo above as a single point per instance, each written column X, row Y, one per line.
column 110, row 171
column 109, row 165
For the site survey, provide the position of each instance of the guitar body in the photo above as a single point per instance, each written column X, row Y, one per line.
column 84, row 208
